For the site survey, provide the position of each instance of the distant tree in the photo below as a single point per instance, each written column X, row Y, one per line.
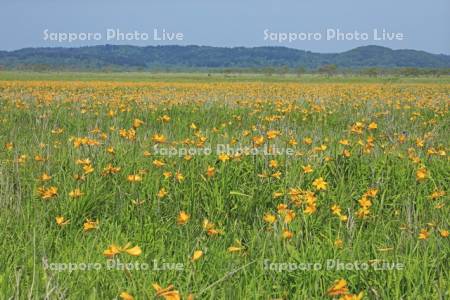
column 283, row 70
column 269, row 71
column 40, row 68
column 371, row 72
column 300, row 71
column 329, row 69
column 410, row 72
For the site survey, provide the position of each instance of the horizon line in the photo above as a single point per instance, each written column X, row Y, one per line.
column 227, row 47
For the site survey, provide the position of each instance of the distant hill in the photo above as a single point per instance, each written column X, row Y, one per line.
column 203, row 57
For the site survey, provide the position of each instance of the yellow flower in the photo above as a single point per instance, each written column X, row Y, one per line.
column 137, row 123
column 307, row 141
column 371, row 192
column 183, row 218
column 45, row 177
column 320, row 184
column 310, row 209
column 110, row 169
column 39, row 158
column 277, row 195
column 346, row 153
column 162, row 193
column 164, row 118
column 437, row 194
column 134, row 251
column 88, row 169
column 223, row 157
column 352, row 296
column 159, row 138
column 111, row 251
column 126, row 296
column 90, row 225
column 209, row 227
column 179, row 176
column 423, row 234
column 76, row 193
column 292, row 142
column 269, row 218
column 110, row 150
column 272, row 134
column 372, row 126
column 167, row 174
column 276, row 175
column 338, row 243
column 158, row 163
column 444, row 233
column 365, row 202
column 258, row 140
column 421, row 174
column 61, row 221
column 197, row 255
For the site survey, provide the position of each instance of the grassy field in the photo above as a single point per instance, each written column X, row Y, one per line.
column 119, row 186
column 208, row 77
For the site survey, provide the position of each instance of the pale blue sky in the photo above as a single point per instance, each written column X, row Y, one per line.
column 426, row 24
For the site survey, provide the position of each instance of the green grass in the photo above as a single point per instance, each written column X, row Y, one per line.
column 209, row 77
column 235, row 199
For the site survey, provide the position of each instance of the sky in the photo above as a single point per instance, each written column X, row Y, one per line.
column 412, row 24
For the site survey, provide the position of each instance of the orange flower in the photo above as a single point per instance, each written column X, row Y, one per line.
column 338, row 288
column 9, row 146
column 211, row 171
column 307, row 169
column 134, row 178
column 167, row 293
column 114, row 250
column 183, row 218
column 45, row 177
column 48, row 193
column 287, row 235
